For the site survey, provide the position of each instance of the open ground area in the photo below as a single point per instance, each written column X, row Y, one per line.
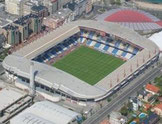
column 88, row 64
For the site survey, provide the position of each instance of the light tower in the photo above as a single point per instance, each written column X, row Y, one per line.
column 32, row 84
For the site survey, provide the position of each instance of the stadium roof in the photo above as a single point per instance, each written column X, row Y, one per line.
column 53, row 77
column 19, row 61
column 35, row 48
column 157, row 39
column 135, row 19
column 45, row 112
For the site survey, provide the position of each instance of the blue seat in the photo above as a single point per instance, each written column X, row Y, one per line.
column 117, row 44
column 89, row 42
column 97, row 45
column 39, row 59
column 135, row 51
column 106, row 48
column 123, row 54
column 53, row 52
column 114, row 51
column 46, row 56
column 91, row 35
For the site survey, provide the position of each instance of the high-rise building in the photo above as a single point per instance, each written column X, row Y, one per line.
column 52, row 5
column 36, row 24
column 12, row 34
column 40, row 10
column 14, row 6
column 23, row 26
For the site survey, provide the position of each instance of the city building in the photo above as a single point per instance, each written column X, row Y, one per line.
column 27, row 7
column 56, row 20
column 3, row 23
column 12, row 102
column 23, row 27
column 136, row 103
column 11, row 33
column 152, row 89
column 2, row 40
column 40, row 10
column 144, row 95
column 2, row 7
column 14, row 6
column 47, row 112
column 27, row 25
column 157, row 109
column 79, row 7
column 8, row 17
column 52, row 5
column 147, row 106
column 61, row 3
column 117, row 118
column 89, row 6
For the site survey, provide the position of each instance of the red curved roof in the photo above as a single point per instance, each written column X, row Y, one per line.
column 128, row 15
column 159, row 23
column 135, row 19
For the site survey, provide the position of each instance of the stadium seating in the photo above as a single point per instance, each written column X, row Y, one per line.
column 135, row 51
column 114, row 52
column 106, row 48
column 89, row 42
column 106, row 45
column 97, row 45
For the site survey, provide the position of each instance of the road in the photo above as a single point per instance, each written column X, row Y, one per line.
column 100, row 115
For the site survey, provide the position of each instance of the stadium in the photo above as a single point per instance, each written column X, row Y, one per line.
column 138, row 20
column 82, row 61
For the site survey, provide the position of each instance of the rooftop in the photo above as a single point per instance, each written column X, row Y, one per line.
column 23, row 20
column 8, row 96
column 38, row 8
column 132, row 18
column 7, row 16
column 159, row 106
column 152, row 88
column 10, row 27
column 45, row 112
column 3, row 23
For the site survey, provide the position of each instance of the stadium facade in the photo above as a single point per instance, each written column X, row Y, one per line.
column 54, row 84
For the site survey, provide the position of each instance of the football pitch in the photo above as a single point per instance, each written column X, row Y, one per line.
column 88, row 64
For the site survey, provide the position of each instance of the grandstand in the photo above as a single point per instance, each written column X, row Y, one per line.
column 102, row 41
column 138, row 20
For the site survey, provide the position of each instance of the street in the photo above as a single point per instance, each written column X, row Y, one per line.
column 100, row 115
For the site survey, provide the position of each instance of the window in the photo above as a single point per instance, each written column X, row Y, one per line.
column 42, row 86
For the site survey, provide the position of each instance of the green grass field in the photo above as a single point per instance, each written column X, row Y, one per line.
column 88, row 64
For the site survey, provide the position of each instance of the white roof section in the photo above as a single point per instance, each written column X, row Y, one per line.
column 157, row 39
column 52, row 77
column 45, row 112
column 8, row 96
column 29, row 118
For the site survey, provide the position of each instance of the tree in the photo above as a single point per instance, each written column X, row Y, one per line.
column 124, row 111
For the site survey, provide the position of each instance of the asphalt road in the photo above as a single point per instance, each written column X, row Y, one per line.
column 100, row 115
